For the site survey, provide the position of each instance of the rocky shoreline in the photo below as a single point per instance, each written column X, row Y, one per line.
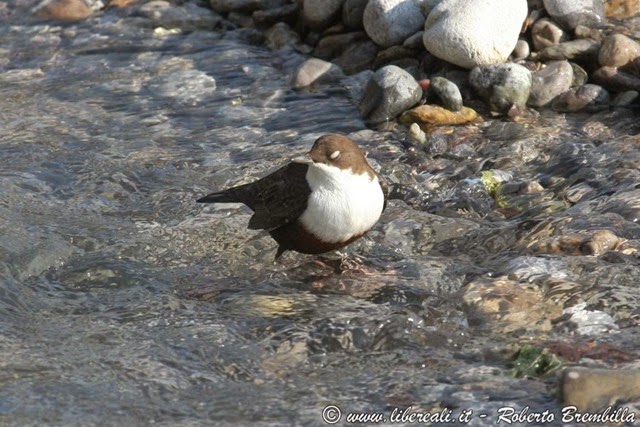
column 412, row 61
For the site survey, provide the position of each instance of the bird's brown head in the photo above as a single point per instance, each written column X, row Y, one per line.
column 341, row 152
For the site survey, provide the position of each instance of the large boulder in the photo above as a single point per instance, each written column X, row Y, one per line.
column 474, row 32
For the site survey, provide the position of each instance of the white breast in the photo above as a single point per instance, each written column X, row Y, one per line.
column 341, row 204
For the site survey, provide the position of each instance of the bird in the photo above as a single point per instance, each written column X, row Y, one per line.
column 315, row 204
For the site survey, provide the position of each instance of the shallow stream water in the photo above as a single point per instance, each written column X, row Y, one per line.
column 123, row 302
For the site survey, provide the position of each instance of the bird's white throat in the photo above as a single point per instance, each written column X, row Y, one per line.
column 341, row 204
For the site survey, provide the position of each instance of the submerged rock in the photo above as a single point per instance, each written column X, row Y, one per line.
column 63, row 10
column 315, row 70
column 594, row 389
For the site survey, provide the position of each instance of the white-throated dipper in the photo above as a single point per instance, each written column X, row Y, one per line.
column 313, row 205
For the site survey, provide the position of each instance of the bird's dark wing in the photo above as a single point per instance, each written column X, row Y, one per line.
column 279, row 198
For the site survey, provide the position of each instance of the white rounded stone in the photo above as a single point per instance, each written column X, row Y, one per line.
column 469, row 33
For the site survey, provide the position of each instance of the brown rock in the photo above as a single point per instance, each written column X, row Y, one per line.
column 618, row 50
column 63, row 10
column 332, row 46
column 357, row 57
column 434, row 115
column 621, row 9
column 509, row 305
column 592, row 390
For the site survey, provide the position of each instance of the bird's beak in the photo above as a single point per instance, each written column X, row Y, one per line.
column 303, row 160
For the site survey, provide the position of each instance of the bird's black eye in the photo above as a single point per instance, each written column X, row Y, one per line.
column 334, row 155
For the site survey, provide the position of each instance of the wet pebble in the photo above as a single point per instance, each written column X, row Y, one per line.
column 626, row 98
column 615, row 80
column 188, row 17
column 315, row 70
column 394, row 55
column 588, row 97
column 389, row 22
column 502, row 86
column 579, row 50
column 281, row 35
column 594, row 389
column 457, row 32
column 549, row 82
column 63, row 10
column 447, row 92
column 618, row 50
column 571, row 13
column 389, row 92
column 546, row 32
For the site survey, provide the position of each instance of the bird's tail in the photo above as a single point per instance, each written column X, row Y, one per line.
column 232, row 195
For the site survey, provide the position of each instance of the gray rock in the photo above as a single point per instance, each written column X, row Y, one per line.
column 357, row 57
column 549, row 82
column 571, row 13
column 580, row 50
column 389, row 22
column 414, row 41
column 615, row 80
column 447, row 92
column 315, row 70
column 618, row 50
column 188, row 17
column 395, row 54
column 224, row 6
column 626, row 98
column 320, row 14
column 353, row 12
column 287, row 13
column 588, row 97
column 502, row 85
column 281, row 35
column 474, row 32
column 546, row 33
column 521, row 51
column 333, row 45
column 389, row 92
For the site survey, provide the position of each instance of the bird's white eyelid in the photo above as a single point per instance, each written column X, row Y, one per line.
column 334, row 155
